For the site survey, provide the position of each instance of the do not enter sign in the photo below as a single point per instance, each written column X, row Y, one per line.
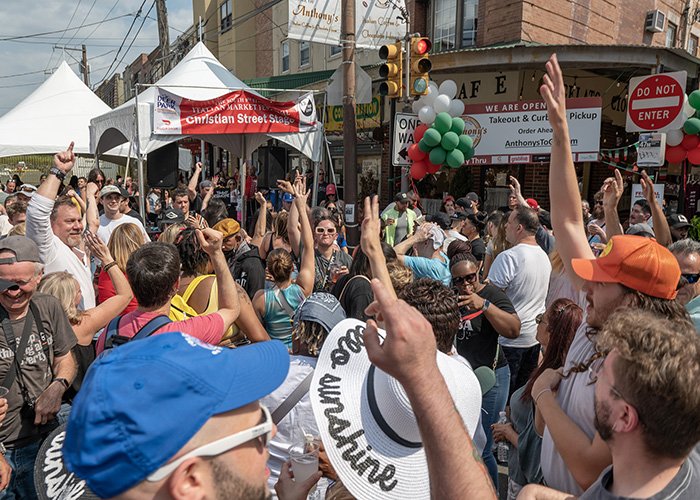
column 656, row 102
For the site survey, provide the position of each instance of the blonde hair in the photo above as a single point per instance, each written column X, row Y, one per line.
column 500, row 243
column 18, row 230
column 171, row 233
column 64, row 287
column 125, row 240
column 400, row 275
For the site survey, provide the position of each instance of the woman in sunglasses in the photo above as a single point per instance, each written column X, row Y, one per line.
column 331, row 263
column 486, row 312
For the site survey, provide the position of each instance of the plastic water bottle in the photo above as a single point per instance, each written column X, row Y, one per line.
column 502, row 447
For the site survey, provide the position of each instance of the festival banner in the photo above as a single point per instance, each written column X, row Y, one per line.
column 519, row 132
column 238, row 112
column 377, row 21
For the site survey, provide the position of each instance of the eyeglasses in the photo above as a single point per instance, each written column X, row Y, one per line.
column 599, row 202
column 99, row 181
column 469, row 278
column 691, row 278
column 594, row 371
column 262, row 430
column 323, row 230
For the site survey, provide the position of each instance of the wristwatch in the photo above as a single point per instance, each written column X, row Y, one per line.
column 486, row 305
column 58, row 173
column 63, row 381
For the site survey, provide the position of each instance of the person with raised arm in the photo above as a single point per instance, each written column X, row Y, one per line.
column 632, row 271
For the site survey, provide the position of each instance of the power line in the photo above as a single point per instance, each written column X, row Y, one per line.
column 103, row 20
column 83, row 21
column 35, row 35
column 133, row 22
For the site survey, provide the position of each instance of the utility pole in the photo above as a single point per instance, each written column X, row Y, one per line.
column 86, row 71
column 163, row 35
column 347, row 30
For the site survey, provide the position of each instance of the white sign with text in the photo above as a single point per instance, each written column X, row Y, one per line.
column 638, row 195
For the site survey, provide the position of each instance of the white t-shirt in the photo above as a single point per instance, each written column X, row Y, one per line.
column 108, row 225
column 576, row 398
column 523, row 273
column 55, row 254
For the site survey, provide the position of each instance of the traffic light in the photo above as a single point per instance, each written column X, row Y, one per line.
column 419, row 71
column 392, row 70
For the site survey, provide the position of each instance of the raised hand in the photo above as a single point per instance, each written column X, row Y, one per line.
column 514, row 185
column 554, row 93
column 371, row 227
column 613, row 187
column 409, row 350
column 97, row 247
column 209, row 240
column 65, row 160
column 301, row 195
column 260, row 198
column 285, row 186
column 647, row 188
column 92, row 189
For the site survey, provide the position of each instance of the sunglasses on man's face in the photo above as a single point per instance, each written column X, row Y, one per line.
column 691, row 278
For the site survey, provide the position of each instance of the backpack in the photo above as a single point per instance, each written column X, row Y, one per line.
column 180, row 310
column 113, row 339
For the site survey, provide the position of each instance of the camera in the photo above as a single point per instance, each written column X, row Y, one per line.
column 27, row 410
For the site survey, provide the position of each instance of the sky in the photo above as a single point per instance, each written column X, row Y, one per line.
column 27, row 62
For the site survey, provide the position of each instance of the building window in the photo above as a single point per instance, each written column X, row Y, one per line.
column 285, row 56
column 304, row 54
column 445, row 27
column 225, row 15
column 671, row 35
column 469, row 20
column 335, row 50
column 693, row 45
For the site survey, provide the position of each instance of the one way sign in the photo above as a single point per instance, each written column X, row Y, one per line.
column 404, row 125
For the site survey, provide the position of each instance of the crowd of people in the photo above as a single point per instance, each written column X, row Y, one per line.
column 193, row 360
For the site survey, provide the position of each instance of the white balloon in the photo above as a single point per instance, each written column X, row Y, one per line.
column 688, row 110
column 442, row 103
column 426, row 115
column 429, row 98
column 674, row 137
column 433, row 88
column 449, row 88
column 456, row 108
column 416, row 106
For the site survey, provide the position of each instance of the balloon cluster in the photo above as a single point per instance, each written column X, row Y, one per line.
column 685, row 142
column 439, row 139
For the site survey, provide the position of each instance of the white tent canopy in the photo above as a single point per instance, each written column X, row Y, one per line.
column 52, row 116
column 199, row 76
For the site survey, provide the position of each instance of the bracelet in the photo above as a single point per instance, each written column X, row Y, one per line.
column 58, row 173
column 63, row 382
column 109, row 266
column 540, row 394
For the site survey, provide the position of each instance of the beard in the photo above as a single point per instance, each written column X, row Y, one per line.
column 230, row 486
column 74, row 240
column 602, row 420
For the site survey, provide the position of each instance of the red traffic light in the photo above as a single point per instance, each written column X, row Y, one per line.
column 422, row 46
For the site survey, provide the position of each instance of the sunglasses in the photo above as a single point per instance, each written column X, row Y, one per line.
column 469, row 278
column 691, row 278
column 262, row 432
column 323, row 230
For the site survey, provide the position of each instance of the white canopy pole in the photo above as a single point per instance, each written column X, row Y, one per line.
column 243, row 173
column 139, row 157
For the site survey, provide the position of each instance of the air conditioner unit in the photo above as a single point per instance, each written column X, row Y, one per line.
column 655, row 21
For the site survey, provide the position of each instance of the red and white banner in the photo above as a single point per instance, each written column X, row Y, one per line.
column 238, row 112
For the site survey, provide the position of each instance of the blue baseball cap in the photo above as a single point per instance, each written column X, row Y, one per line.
column 141, row 402
column 288, row 198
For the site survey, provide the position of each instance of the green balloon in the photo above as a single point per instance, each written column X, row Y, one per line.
column 465, row 143
column 694, row 99
column 455, row 158
column 457, row 125
column 691, row 126
column 468, row 154
column 443, row 122
column 449, row 141
column 437, row 156
column 423, row 146
column 432, row 137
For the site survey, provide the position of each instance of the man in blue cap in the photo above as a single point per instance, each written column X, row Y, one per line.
column 172, row 417
column 287, row 200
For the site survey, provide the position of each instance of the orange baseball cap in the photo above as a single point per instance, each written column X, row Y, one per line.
column 636, row 262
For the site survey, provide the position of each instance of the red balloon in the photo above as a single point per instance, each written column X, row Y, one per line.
column 690, row 142
column 415, row 154
column 419, row 131
column 675, row 154
column 432, row 168
column 418, row 170
column 694, row 156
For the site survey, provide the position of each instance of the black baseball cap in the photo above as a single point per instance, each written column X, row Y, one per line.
column 465, row 203
column 678, row 221
column 401, row 198
column 441, row 219
column 172, row 216
column 458, row 216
